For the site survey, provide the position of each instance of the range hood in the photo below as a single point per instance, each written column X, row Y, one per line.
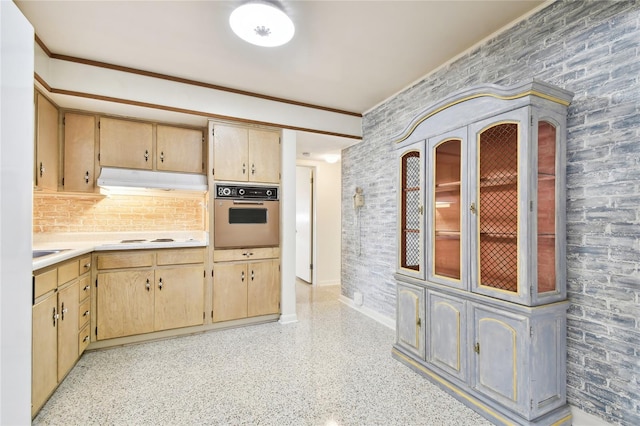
column 126, row 180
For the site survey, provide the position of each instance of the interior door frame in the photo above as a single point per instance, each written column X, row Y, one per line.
column 314, row 249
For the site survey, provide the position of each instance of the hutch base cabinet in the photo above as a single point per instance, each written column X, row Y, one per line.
column 504, row 360
column 481, row 275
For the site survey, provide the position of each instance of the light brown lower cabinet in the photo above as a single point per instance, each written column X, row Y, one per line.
column 148, row 291
column 56, row 321
column 243, row 288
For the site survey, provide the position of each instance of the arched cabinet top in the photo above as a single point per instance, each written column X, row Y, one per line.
column 480, row 102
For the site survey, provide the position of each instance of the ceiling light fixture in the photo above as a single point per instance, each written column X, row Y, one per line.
column 262, row 23
column 331, row 158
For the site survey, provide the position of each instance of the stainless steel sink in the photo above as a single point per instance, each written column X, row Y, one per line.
column 42, row 253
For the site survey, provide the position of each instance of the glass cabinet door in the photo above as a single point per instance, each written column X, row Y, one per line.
column 446, row 218
column 410, row 256
column 499, row 222
column 546, row 196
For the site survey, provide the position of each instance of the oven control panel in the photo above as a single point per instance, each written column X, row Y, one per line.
column 243, row 192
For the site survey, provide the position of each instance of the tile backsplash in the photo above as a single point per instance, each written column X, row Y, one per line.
column 116, row 213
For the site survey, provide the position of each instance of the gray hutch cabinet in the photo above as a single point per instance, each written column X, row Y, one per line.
column 481, row 276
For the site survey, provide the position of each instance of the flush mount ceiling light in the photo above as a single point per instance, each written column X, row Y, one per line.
column 262, row 23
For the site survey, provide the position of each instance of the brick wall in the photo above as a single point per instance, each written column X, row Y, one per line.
column 116, row 213
column 591, row 48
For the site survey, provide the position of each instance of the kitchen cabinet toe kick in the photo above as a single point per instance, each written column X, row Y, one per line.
column 180, row 332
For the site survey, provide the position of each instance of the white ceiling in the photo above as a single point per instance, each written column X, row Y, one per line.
column 349, row 55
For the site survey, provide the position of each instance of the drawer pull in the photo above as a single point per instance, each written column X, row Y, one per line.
column 86, row 339
column 87, row 265
column 86, row 287
column 86, row 313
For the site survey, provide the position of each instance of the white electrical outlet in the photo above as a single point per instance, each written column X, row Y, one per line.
column 357, row 298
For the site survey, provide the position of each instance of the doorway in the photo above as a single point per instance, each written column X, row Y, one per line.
column 304, row 223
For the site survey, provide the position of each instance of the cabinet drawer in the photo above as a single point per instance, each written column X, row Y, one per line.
column 246, row 254
column 125, row 260
column 67, row 272
column 45, row 282
column 85, row 264
column 83, row 340
column 84, row 313
column 85, row 288
column 180, row 256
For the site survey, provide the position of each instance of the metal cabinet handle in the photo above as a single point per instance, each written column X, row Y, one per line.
column 63, row 311
column 86, row 339
column 252, row 275
column 419, row 322
column 242, row 276
column 86, row 177
column 55, row 317
column 476, row 348
column 253, row 169
column 244, row 168
column 148, row 285
column 160, row 284
column 86, row 288
column 41, row 169
column 87, row 265
column 473, row 209
column 162, row 156
column 146, row 155
column 86, row 313
column 247, row 254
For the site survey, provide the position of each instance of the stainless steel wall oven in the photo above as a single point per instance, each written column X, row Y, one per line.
column 246, row 216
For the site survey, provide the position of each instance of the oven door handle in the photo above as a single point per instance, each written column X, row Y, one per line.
column 257, row 203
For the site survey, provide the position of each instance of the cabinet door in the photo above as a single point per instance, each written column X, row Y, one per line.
column 263, row 296
column 47, row 155
column 125, row 303
column 498, row 364
column 446, row 217
column 446, row 335
column 231, row 153
column 179, row 297
column 67, row 329
column 264, row 156
column 79, row 152
column 499, row 203
column 179, row 149
column 410, row 318
column 126, row 144
column 411, row 210
column 229, row 291
column 45, row 351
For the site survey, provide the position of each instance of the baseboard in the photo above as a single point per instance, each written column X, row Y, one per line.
column 288, row 319
column 386, row 321
column 327, row 283
column 582, row 418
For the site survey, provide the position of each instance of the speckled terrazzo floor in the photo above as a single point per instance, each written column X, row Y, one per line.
column 333, row 367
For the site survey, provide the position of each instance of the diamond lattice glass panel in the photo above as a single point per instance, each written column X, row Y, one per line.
column 498, row 207
column 410, row 243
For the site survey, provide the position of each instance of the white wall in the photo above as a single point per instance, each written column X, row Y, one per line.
column 16, row 170
column 327, row 229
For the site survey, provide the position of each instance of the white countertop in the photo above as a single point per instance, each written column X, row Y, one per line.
column 72, row 245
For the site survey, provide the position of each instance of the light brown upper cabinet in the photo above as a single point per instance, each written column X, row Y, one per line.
column 79, row 152
column 179, row 149
column 126, row 144
column 47, row 155
column 246, row 155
